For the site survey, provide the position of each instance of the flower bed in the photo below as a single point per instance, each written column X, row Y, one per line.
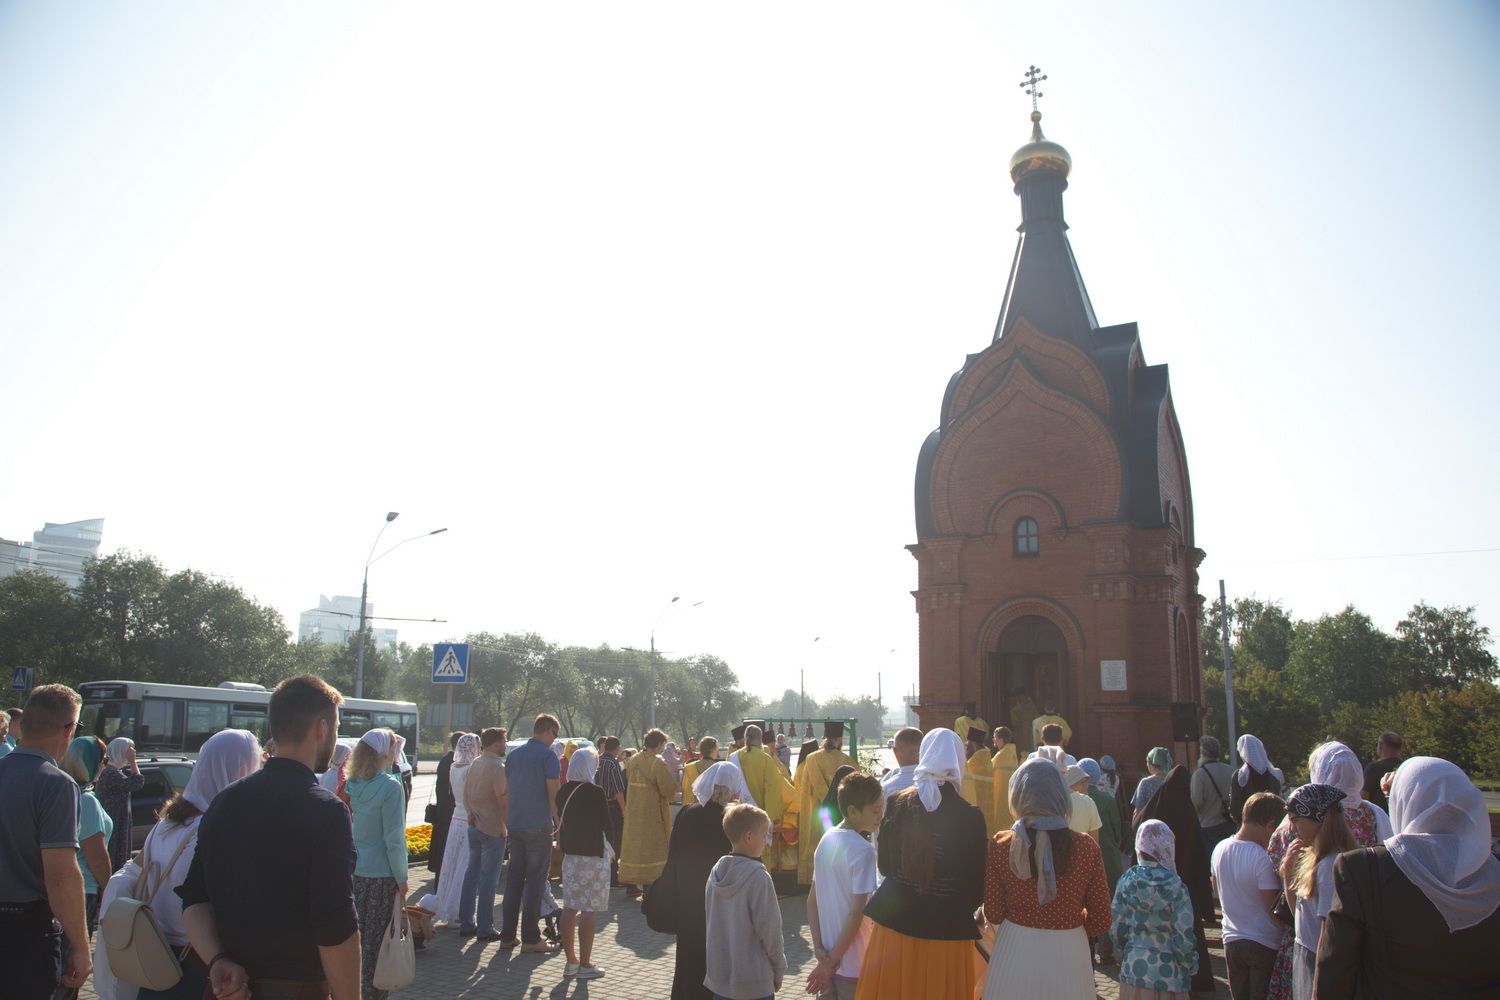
column 418, row 842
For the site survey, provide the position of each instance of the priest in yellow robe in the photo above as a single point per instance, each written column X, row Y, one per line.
column 1002, row 766
column 768, row 781
column 969, row 720
column 1049, row 717
column 708, row 754
column 813, row 778
column 648, row 813
column 977, row 788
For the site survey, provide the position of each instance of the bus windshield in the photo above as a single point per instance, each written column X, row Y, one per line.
column 108, row 719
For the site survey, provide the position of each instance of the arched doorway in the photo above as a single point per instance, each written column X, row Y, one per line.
column 1026, row 672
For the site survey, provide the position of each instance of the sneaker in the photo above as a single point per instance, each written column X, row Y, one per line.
column 589, row 972
column 570, row 970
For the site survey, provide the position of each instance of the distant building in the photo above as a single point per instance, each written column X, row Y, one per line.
column 58, row 549
column 336, row 618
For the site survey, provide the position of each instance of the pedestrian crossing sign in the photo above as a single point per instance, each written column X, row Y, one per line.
column 450, row 663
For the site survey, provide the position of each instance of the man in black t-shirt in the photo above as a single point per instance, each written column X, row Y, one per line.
column 1388, row 758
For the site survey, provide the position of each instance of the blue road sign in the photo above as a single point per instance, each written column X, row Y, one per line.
column 450, row 663
column 21, row 679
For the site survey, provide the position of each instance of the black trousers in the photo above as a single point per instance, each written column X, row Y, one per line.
column 614, row 834
column 31, row 957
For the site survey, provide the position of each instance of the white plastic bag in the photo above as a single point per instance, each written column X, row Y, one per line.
column 396, row 966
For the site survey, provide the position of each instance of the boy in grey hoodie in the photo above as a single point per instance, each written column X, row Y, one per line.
column 746, row 959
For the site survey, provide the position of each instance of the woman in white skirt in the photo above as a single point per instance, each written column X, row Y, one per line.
column 456, row 853
column 583, row 819
column 1045, row 890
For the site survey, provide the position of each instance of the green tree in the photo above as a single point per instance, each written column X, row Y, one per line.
column 120, row 596
column 1271, row 707
column 702, row 698
column 1445, row 647
column 865, row 711
column 208, row 631
column 790, row 705
column 42, row 627
column 1344, row 657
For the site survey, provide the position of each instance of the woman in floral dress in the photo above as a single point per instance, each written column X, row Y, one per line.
column 1333, row 764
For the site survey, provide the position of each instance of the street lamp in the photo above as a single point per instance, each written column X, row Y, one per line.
column 653, row 653
column 364, row 594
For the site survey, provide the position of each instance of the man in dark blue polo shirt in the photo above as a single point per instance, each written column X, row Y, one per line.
column 531, row 770
column 269, row 900
column 41, row 888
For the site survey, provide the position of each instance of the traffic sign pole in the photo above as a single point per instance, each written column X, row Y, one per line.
column 450, row 711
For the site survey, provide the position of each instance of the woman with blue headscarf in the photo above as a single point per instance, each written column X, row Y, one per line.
column 1044, row 888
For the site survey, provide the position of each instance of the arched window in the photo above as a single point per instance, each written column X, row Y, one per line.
column 1027, row 543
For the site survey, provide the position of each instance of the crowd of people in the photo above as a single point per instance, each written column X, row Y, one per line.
column 975, row 868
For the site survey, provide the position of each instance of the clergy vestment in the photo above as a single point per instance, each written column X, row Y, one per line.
column 648, row 818
column 1041, row 721
column 690, row 775
column 962, row 724
column 1002, row 766
column 813, row 780
column 768, row 780
column 978, row 787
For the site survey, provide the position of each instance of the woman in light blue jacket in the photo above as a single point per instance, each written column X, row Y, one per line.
column 378, row 803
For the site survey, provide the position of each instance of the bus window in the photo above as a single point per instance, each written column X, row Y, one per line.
column 108, row 719
column 161, row 724
column 204, row 718
column 404, row 725
column 251, row 717
column 354, row 723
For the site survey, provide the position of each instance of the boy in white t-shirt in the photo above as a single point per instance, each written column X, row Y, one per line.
column 1247, row 884
column 843, row 880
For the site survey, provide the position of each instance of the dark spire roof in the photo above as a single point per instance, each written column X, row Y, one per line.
column 1044, row 284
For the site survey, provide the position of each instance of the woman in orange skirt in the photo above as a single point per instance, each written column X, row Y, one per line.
column 932, row 854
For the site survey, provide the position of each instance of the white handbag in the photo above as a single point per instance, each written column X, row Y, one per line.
column 139, row 953
column 396, row 965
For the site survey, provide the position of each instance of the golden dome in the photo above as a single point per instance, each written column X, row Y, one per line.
column 1040, row 153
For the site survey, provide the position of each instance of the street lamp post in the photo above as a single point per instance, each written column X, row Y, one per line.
column 364, row 594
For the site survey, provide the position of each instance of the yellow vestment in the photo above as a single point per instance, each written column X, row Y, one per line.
column 690, row 775
column 648, row 818
column 813, row 778
column 1002, row 766
column 978, row 787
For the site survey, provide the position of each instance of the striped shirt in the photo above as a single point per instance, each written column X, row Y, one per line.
column 610, row 778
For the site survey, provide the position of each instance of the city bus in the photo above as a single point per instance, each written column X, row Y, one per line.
column 178, row 718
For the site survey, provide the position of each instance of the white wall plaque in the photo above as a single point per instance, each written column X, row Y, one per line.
column 1112, row 675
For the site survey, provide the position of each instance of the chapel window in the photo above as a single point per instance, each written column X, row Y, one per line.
column 1027, row 537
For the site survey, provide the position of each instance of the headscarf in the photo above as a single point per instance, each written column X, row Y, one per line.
column 1156, row 838
column 1091, row 768
column 1107, row 763
column 1041, row 804
column 384, row 742
column 467, row 750
column 557, row 750
column 341, row 754
column 89, row 752
column 1160, row 757
column 940, row 762
column 1312, row 801
column 1253, row 753
column 831, row 800
column 1057, row 755
column 225, row 757
column 116, row 752
column 1335, row 764
column 583, row 765
column 722, row 774
column 1443, row 841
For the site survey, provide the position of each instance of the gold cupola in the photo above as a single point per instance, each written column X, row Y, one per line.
column 1040, row 155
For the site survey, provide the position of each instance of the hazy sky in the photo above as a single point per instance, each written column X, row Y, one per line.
column 642, row 300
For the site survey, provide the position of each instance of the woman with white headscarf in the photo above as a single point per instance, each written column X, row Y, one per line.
column 377, row 802
column 697, row 842
column 226, row 757
column 1419, row 915
column 1045, row 890
column 456, row 853
column 583, row 822
column 1152, row 930
column 931, row 852
column 1256, row 774
column 119, row 778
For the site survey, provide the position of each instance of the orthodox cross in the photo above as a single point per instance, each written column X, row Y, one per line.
column 1034, row 76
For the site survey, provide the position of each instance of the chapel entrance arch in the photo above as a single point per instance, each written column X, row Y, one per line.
column 1025, row 673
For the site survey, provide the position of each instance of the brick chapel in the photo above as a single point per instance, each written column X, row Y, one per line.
column 1057, row 565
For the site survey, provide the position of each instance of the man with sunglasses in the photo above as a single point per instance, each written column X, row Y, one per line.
column 41, row 887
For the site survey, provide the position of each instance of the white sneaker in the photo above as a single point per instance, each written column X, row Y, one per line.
column 589, row 972
column 570, row 970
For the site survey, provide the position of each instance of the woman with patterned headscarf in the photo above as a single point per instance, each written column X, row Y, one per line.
column 1046, row 893
column 1153, row 921
column 1256, row 774
column 1173, row 805
column 456, row 853
column 1316, row 813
